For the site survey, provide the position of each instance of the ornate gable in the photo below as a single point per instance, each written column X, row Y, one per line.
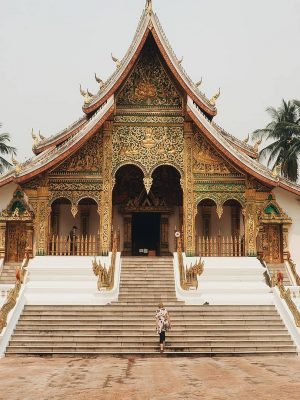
column 86, row 160
column 207, row 161
column 149, row 83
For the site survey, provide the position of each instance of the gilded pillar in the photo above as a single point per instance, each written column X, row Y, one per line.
column 107, row 187
column 42, row 220
column 29, row 239
column 2, row 239
column 188, row 198
column 251, row 224
column 285, row 243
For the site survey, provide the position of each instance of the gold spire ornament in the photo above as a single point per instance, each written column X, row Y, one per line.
column 276, row 172
column 256, row 144
column 247, row 139
column 180, row 61
column 215, row 98
column 16, row 164
column 99, row 80
column 41, row 136
column 199, row 83
column 116, row 60
column 35, row 138
column 86, row 95
column 148, row 7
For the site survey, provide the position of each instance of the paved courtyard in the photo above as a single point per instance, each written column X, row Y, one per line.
column 109, row 378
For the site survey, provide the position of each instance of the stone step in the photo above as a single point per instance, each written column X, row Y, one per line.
column 114, row 346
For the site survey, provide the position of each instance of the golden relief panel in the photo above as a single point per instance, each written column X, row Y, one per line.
column 207, row 161
column 147, row 147
column 149, row 84
column 87, row 160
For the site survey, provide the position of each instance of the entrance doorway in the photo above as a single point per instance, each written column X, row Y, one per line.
column 145, row 234
column 16, row 239
column 272, row 243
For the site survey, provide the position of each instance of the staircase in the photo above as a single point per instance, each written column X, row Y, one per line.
column 8, row 274
column 128, row 326
column 275, row 268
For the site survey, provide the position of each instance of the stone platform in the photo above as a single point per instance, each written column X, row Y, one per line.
column 160, row 378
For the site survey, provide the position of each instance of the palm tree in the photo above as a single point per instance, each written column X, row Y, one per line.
column 5, row 149
column 283, row 137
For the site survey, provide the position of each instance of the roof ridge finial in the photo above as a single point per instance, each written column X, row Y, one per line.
column 148, row 6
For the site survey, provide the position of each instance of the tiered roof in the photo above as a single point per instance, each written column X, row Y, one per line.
column 52, row 151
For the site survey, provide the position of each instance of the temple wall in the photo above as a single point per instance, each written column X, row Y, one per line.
column 291, row 205
column 6, row 194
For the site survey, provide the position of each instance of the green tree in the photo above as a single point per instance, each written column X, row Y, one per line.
column 282, row 138
column 5, row 149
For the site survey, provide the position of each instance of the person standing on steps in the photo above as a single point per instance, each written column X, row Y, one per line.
column 163, row 324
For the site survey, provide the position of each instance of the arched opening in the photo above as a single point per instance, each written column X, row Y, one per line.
column 74, row 230
column 219, row 232
column 147, row 219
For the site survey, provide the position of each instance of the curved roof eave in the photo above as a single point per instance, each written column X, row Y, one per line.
column 149, row 23
column 54, row 155
column 61, row 136
column 241, row 160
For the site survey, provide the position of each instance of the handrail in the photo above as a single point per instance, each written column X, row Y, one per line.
column 292, row 265
column 13, row 294
column 285, row 294
column 106, row 277
column 189, row 275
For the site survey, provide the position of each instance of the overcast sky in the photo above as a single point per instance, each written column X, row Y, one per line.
column 251, row 49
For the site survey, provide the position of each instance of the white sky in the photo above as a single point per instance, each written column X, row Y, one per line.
column 251, row 49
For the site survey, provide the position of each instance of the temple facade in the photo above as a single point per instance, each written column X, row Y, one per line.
column 144, row 161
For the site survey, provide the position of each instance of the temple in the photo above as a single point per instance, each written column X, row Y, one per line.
column 146, row 159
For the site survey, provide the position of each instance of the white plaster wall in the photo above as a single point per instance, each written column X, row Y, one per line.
column 6, row 193
column 290, row 204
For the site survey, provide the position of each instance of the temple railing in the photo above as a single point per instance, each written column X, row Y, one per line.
column 286, row 295
column 220, row 246
column 188, row 275
column 13, row 293
column 73, row 245
column 106, row 275
column 293, row 268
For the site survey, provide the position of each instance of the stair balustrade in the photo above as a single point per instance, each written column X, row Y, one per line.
column 73, row 245
column 294, row 271
column 286, row 295
column 220, row 246
column 13, row 294
column 106, row 276
column 189, row 275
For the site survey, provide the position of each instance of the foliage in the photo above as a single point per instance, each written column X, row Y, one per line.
column 282, row 135
column 5, row 149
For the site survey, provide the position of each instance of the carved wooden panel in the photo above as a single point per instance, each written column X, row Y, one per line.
column 149, row 83
column 272, row 243
column 16, row 239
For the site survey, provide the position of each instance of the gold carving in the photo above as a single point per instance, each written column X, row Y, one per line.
column 147, row 147
column 148, row 183
column 207, row 160
column 87, row 159
column 149, row 84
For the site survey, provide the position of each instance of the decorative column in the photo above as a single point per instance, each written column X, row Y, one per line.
column 2, row 239
column 251, row 224
column 42, row 220
column 107, row 187
column 188, row 192
column 285, row 242
column 29, row 239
